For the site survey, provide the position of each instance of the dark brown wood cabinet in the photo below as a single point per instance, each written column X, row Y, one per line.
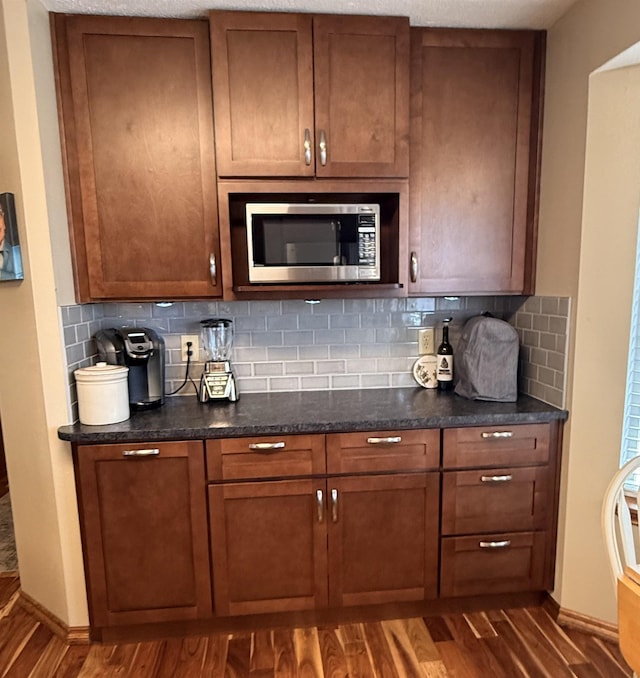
column 268, row 535
column 136, row 115
column 143, row 517
column 475, row 151
column 304, row 95
column 316, row 523
column 498, row 524
column 326, row 541
column 269, row 547
column 383, row 538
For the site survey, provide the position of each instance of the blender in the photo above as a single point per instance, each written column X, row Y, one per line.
column 217, row 381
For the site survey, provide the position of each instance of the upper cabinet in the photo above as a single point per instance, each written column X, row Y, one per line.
column 136, row 114
column 475, row 149
column 301, row 95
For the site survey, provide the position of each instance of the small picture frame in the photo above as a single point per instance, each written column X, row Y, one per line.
column 10, row 255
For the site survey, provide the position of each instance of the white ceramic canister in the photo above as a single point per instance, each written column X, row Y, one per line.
column 103, row 394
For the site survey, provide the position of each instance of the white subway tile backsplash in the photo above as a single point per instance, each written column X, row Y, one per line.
column 315, row 383
column 350, row 343
column 346, row 381
column 268, row 369
column 284, row 384
column 344, row 351
column 315, row 352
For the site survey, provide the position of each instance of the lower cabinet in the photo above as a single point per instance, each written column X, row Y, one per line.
column 361, row 529
column 179, row 531
column 268, row 544
column 498, row 529
column 307, row 544
column 383, row 538
column 144, row 527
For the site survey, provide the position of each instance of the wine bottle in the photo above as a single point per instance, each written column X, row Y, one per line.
column 445, row 361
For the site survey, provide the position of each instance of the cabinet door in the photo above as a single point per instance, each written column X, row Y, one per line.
column 137, row 118
column 269, row 546
column 263, row 93
column 383, row 538
column 144, row 527
column 475, row 102
column 361, row 69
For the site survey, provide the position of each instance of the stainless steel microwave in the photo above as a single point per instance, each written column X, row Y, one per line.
column 313, row 242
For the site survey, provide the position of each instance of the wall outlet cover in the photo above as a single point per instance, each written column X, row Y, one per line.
column 426, row 340
column 195, row 347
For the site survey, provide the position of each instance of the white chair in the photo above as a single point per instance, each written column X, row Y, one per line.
column 621, row 536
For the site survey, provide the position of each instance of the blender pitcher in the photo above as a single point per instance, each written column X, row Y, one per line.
column 217, row 381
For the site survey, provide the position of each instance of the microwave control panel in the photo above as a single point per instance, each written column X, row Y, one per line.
column 367, row 245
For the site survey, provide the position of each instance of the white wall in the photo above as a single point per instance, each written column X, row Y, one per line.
column 588, row 226
column 33, row 393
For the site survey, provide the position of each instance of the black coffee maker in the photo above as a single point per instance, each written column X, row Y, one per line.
column 142, row 351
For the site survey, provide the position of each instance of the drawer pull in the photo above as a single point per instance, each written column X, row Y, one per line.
column 154, row 452
column 266, row 447
column 320, row 505
column 495, row 544
column 391, row 440
column 496, row 479
column 497, row 434
column 334, row 505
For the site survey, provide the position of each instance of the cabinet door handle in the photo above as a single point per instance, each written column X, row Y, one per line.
column 495, row 544
column 323, row 148
column 391, row 440
column 334, row 505
column 213, row 269
column 497, row 434
column 154, row 452
column 320, row 505
column 496, row 479
column 266, row 447
column 307, row 146
column 413, row 267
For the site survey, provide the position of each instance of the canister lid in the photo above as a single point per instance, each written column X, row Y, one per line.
column 101, row 372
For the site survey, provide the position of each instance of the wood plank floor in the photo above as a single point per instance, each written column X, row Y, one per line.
column 505, row 643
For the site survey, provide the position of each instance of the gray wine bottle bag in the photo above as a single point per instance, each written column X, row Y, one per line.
column 486, row 362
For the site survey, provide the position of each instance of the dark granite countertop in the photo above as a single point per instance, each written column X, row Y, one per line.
column 184, row 418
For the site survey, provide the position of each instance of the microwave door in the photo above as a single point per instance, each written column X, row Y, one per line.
column 308, row 245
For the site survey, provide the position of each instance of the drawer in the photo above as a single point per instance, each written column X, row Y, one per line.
column 496, row 563
column 265, row 457
column 381, row 451
column 495, row 446
column 495, row 500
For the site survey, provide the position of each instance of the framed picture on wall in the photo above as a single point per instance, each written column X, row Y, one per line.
column 10, row 256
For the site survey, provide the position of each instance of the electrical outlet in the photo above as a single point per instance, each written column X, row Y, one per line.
column 426, row 340
column 195, row 347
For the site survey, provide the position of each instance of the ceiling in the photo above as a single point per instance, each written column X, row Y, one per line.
column 459, row 13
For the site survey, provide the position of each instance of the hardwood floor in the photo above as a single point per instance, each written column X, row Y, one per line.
column 505, row 643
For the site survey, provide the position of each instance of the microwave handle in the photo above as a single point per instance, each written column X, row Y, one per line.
column 307, row 146
column 323, row 148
